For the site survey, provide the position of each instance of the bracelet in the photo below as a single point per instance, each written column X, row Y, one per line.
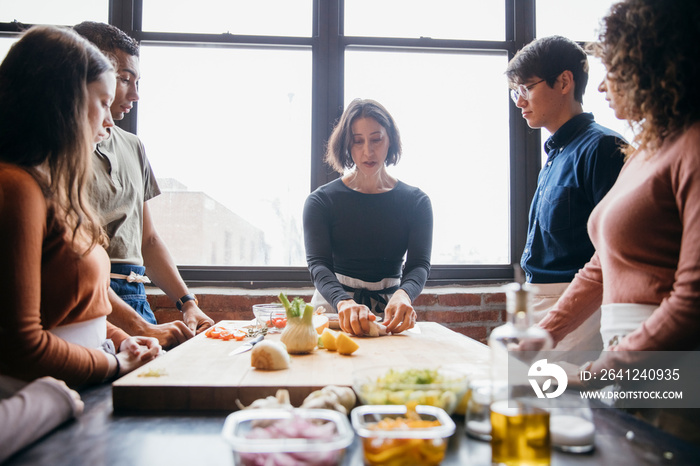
column 119, row 368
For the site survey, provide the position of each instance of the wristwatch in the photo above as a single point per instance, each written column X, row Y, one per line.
column 188, row 297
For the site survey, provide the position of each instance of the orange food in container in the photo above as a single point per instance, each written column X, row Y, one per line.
column 397, row 435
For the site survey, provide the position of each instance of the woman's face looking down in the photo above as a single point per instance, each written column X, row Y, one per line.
column 370, row 145
column 100, row 97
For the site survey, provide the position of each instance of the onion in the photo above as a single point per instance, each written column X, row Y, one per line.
column 269, row 355
column 294, row 428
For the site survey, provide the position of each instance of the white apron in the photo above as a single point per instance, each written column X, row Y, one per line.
column 90, row 333
column 620, row 319
column 388, row 283
column 584, row 338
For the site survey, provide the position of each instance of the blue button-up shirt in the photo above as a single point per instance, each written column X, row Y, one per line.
column 583, row 161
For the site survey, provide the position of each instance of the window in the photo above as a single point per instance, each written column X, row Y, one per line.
column 582, row 23
column 66, row 12
column 227, row 132
column 14, row 14
column 238, row 99
column 574, row 19
column 241, row 17
column 437, row 19
column 5, row 45
column 454, row 129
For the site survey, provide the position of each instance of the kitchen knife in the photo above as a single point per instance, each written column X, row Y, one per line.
column 247, row 346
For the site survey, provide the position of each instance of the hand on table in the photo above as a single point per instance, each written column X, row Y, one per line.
column 354, row 318
column 134, row 352
column 195, row 319
column 399, row 314
column 77, row 403
column 169, row 334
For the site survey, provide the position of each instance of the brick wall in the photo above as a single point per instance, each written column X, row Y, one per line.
column 472, row 311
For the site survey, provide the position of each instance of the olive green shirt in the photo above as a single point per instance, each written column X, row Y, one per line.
column 123, row 182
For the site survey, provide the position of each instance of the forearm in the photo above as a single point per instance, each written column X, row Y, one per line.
column 414, row 280
column 327, row 283
column 32, row 412
column 419, row 250
column 581, row 299
column 125, row 317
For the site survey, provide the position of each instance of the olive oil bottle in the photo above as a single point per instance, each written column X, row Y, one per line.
column 519, row 435
column 519, row 430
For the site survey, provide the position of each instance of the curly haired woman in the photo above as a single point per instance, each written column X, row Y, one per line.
column 647, row 229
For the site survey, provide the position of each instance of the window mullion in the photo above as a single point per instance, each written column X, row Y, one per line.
column 327, row 79
column 126, row 15
column 525, row 143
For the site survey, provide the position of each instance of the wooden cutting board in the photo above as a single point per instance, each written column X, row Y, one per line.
column 199, row 375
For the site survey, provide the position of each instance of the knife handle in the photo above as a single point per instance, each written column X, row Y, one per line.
column 257, row 339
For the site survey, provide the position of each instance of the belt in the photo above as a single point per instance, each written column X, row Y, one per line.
column 131, row 278
column 365, row 296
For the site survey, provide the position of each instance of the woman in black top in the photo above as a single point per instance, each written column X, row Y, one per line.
column 359, row 228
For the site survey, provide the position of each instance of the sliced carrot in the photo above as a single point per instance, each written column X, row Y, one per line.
column 223, row 333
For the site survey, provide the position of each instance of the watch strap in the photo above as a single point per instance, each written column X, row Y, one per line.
column 188, row 297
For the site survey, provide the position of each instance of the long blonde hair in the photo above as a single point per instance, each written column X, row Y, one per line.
column 44, row 124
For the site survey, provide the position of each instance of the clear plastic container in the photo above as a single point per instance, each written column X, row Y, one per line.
column 397, row 385
column 243, row 429
column 402, row 446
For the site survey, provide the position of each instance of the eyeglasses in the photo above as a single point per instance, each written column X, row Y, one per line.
column 523, row 91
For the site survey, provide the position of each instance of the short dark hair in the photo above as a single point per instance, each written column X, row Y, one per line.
column 108, row 38
column 338, row 151
column 547, row 58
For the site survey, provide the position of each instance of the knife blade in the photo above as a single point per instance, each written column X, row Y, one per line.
column 247, row 346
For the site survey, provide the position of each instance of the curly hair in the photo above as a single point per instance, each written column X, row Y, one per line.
column 109, row 39
column 338, row 150
column 43, row 121
column 650, row 50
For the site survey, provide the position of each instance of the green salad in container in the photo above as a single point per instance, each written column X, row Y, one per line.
column 438, row 387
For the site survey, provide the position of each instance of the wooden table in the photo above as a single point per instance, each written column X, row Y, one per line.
column 200, row 375
column 102, row 436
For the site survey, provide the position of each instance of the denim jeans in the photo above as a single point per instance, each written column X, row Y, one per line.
column 134, row 294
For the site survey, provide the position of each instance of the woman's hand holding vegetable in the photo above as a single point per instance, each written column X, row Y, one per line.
column 354, row 318
column 399, row 314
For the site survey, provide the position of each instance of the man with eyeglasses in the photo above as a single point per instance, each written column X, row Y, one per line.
column 548, row 78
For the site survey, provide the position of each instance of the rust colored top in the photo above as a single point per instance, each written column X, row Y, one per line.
column 44, row 283
column 647, row 237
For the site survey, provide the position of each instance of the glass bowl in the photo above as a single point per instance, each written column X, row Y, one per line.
column 272, row 316
column 439, row 387
column 281, row 436
column 417, row 445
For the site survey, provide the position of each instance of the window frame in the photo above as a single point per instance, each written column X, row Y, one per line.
column 328, row 43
